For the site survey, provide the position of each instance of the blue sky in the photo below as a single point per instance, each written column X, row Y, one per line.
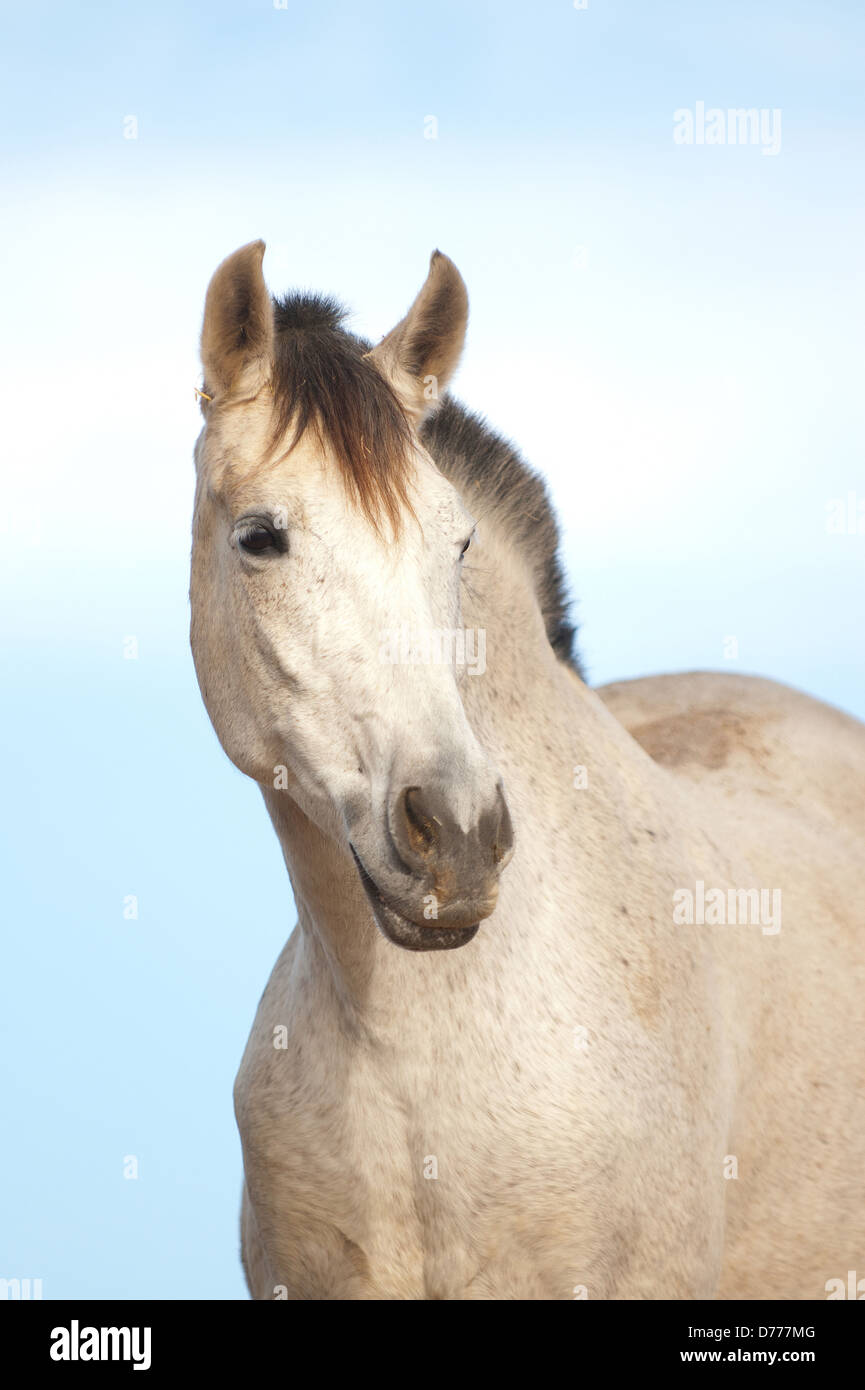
column 672, row 334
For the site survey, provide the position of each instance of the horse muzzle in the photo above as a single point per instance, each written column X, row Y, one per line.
column 438, row 879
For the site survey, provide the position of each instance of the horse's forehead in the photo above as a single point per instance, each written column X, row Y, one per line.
column 241, row 463
column 241, row 467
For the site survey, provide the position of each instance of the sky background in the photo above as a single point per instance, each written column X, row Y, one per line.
column 672, row 334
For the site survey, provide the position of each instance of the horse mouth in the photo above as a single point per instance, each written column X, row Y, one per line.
column 401, row 931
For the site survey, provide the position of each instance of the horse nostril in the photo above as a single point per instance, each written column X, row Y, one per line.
column 431, row 842
column 503, row 839
column 422, row 828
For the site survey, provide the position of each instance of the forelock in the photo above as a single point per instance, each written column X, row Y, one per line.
column 323, row 380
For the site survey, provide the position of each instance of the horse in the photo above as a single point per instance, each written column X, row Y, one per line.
column 574, row 1003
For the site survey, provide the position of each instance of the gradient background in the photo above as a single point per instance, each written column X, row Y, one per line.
column 673, row 336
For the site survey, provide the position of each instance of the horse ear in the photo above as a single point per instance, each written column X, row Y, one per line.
column 237, row 333
column 420, row 355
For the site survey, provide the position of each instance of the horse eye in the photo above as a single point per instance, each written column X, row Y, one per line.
column 256, row 540
column 466, row 545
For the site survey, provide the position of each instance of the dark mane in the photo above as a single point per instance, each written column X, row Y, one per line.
column 494, row 479
column 322, row 380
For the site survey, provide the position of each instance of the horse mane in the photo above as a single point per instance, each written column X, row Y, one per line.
column 322, row 379
column 495, row 481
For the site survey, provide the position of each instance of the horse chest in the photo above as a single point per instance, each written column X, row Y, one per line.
column 410, row 1183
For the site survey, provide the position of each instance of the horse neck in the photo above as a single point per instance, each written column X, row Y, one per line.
column 538, row 719
column 539, row 722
